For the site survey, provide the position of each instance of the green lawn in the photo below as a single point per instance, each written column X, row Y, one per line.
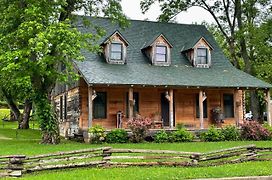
column 26, row 142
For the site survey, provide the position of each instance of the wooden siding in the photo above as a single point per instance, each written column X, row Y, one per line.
column 69, row 124
column 150, row 103
column 115, row 38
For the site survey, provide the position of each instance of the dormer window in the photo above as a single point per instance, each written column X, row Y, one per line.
column 199, row 52
column 115, row 48
column 202, row 56
column 161, row 53
column 158, row 50
column 116, row 52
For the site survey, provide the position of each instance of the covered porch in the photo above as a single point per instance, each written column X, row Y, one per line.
column 112, row 106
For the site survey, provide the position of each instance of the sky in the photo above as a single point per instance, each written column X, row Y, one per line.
column 195, row 14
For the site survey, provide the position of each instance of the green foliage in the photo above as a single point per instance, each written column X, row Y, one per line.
column 47, row 119
column 117, row 136
column 182, row 135
column 269, row 128
column 212, row 134
column 180, row 126
column 231, row 133
column 37, row 38
column 98, row 134
column 161, row 137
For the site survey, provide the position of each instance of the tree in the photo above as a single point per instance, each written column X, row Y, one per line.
column 14, row 90
column 37, row 37
column 235, row 19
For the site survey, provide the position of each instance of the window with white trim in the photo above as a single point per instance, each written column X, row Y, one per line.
column 161, row 53
column 201, row 56
column 116, row 52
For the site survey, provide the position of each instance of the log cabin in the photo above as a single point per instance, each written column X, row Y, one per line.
column 173, row 73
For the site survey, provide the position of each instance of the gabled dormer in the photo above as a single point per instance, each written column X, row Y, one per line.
column 199, row 52
column 115, row 48
column 158, row 50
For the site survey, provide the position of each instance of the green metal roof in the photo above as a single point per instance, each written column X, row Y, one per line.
column 139, row 71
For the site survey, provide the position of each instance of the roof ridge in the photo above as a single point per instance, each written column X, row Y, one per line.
column 148, row 21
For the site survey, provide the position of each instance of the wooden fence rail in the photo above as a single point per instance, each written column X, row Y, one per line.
column 16, row 165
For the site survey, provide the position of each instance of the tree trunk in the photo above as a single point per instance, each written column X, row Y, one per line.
column 12, row 105
column 254, row 102
column 48, row 120
column 254, row 105
column 24, row 124
column 233, row 53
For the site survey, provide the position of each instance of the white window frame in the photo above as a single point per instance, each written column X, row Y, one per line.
column 122, row 49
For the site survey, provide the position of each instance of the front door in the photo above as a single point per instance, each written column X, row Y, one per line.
column 164, row 110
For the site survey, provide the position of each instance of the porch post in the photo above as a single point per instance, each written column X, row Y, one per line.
column 130, row 103
column 237, row 105
column 268, row 107
column 171, row 108
column 90, row 106
column 201, row 116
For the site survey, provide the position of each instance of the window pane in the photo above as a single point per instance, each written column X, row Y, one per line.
column 100, row 105
column 228, row 105
column 116, row 47
column 202, row 52
column 201, row 60
column 160, row 58
column 61, row 107
column 161, row 50
column 116, row 55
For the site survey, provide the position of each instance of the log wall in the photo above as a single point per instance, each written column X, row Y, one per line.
column 150, row 103
column 69, row 124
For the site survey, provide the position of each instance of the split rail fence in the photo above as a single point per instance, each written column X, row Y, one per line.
column 16, row 165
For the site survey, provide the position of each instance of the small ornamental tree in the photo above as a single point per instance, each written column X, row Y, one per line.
column 139, row 127
column 37, row 37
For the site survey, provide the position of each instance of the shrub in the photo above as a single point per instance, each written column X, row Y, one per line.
column 117, row 136
column 161, row 137
column 182, row 135
column 253, row 130
column 139, row 127
column 97, row 134
column 230, row 133
column 180, row 126
column 212, row 134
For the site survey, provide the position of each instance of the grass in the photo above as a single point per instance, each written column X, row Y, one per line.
column 27, row 142
column 244, row 169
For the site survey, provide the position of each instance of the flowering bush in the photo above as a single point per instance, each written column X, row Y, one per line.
column 97, row 134
column 253, row 130
column 139, row 127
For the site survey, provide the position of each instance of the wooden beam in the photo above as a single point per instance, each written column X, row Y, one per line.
column 237, row 105
column 90, row 106
column 268, row 107
column 171, row 108
column 201, row 110
column 130, row 103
